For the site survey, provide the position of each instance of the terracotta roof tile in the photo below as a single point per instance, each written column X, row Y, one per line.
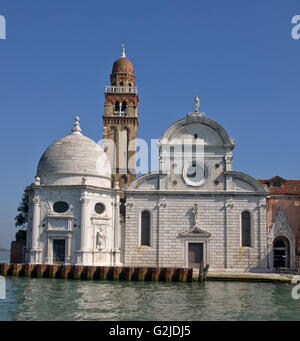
column 287, row 186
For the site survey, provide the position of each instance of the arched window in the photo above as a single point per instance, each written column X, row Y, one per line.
column 246, row 229
column 121, row 84
column 124, row 107
column 145, row 228
column 171, row 154
column 117, row 107
column 281, row 254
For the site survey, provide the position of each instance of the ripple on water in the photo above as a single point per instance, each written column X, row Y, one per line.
column 58, row 299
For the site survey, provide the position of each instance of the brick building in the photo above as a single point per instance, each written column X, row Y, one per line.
column 283, row 220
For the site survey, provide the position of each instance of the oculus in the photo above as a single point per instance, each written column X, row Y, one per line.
column 60, row 207
column 195, row 174
column 99, row 208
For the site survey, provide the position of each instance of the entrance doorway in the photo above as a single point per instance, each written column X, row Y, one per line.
column 281, row 249
column 59, row 248
column 195, row 255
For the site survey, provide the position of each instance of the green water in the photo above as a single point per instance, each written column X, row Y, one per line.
column 58, row 299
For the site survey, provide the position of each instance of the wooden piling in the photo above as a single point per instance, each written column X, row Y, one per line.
column 14, row 269
column 40, row 270
column 78, row 271
column 52, row 271
column 97, row 272
column 203, row 272
column 114, row 273
column 189, row 275
column 152, row 274
column 169, row 274
column 3, row 269
column 90, row 271
column 139, row 274
column 103, row 272
column 66, row 271
column 28, row 270
column 126, row 273
column 162, row 275
column 182, row 275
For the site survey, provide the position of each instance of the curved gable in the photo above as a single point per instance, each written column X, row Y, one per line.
column 243, row 182
column 207, row 129
column 145, row 182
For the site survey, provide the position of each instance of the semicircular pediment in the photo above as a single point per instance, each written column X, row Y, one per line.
column 199, row 127
column 192, row 130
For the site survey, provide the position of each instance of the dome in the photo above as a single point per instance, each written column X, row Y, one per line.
column 123, row 65
column 74, row 159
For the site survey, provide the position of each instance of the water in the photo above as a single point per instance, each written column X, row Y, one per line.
column 59, row 299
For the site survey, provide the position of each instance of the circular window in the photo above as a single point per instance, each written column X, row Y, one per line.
column 99, row 208
column 60, row 207
column 195, row 174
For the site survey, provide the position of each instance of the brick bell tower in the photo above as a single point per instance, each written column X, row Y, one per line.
column 120, row 121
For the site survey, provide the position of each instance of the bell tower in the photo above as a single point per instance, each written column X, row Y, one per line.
column 120, row 120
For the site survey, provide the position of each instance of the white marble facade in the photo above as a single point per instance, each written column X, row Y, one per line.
column 219, row 197
column 73, row 210
column 186, row 216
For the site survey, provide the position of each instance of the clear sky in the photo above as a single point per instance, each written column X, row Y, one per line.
column 238, row 56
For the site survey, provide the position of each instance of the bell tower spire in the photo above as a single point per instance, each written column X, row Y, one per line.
column 120, row 120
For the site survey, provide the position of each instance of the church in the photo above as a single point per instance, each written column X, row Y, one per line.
column 88, row 207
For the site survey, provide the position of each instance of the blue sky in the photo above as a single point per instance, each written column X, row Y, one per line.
column 237, row 56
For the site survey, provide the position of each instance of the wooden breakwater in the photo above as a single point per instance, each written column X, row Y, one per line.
column 97, row 272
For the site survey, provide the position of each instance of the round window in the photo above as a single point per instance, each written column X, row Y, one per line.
column 60, row 207
column 99, row 208
column 195, row 174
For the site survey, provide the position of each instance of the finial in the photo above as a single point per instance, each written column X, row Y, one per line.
column 76, row 126
column 123, row 50
column 197, row 104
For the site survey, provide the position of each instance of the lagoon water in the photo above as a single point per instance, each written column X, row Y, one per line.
column 58, row 299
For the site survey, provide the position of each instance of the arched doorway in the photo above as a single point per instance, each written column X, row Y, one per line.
column 281, row 253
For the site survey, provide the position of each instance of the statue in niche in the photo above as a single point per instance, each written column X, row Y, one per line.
column 99, row 239
column 195, row 213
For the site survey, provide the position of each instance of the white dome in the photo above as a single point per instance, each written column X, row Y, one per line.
column 74, row 159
